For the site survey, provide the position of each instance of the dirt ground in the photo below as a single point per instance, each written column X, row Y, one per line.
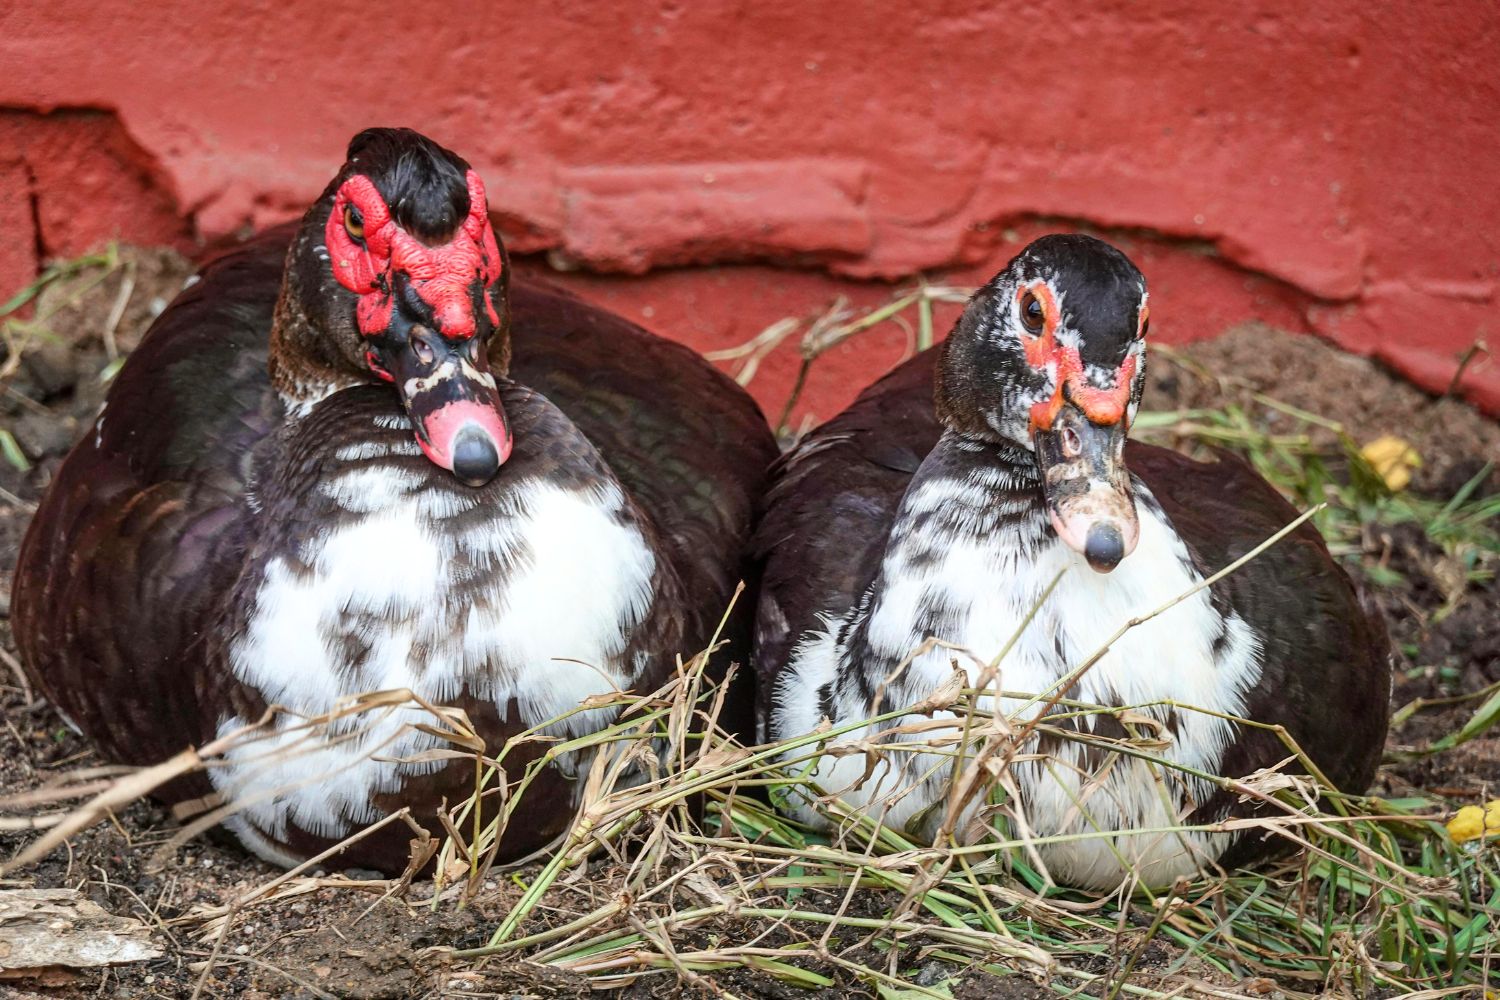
column 352, row 943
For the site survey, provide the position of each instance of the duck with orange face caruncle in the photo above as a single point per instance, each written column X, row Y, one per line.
column 919, row 514
column 357, row 455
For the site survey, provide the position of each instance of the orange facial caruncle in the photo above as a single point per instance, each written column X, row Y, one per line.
column 442, row 276
column 1070, row 384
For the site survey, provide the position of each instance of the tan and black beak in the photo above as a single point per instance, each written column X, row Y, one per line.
column 1087, row 486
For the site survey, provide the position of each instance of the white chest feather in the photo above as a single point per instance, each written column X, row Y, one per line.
column 529, row 608
column 980, row 592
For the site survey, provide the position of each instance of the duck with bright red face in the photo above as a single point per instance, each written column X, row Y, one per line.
column 358, row 454
column 407, row 234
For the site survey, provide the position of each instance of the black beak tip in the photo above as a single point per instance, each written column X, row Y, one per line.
column 475, row 460
column 1104, row 547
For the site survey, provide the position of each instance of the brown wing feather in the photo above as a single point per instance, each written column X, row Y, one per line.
column 1326, row 661
column 145, row 523
column 830, row 507
column 690, row 446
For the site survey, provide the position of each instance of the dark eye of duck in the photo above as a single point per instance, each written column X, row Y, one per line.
column 1032, row 315
column 354, row 223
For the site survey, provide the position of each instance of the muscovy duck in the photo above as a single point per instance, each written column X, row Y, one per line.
column 356, row 456
column 913, row 516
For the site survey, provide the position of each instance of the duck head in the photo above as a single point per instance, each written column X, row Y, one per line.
column 1050, row 357
column 396, row 276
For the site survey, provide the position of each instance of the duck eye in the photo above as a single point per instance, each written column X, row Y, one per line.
column 354, row 223
column 1032, row 315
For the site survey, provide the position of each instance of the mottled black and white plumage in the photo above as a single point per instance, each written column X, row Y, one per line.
column 899, row 521
column 253, row 521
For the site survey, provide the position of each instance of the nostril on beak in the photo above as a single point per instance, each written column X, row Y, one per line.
column 421, row 345
column 475, row 460
column 1104, row 547
column 1071, row 443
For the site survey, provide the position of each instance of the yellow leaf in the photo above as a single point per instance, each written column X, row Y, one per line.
column 1392, row 458
column 1467, row 825
column 1473, row 822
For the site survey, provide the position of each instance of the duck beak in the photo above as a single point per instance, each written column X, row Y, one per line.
column 454, row 404
column 1087, row 486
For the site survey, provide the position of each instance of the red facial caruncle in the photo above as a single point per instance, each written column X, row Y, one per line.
column 1101, row 406
column 1078, row 436
column 416, row 310
column 441, row 275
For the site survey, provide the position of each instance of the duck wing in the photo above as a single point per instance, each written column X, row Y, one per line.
column 1325, row 660
column 691, row 447
column 830, row 508
column 121, row 577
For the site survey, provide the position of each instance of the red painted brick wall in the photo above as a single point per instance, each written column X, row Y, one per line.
column 1330, row 168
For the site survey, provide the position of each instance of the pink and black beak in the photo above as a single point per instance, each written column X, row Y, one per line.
column 1079, row 439
column 445, row 385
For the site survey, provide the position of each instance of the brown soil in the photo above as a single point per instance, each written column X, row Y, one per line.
column 351, row 943
column 1453, row 440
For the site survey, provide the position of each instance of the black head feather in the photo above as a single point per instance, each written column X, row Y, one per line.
column 1100, row 287
column 423, row 183
column 986, row 384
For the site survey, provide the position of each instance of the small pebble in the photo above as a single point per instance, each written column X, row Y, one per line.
column 51, row 368
column 363, row 874
column 40, row 435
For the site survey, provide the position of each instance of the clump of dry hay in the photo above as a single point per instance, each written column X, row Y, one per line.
column 1377, row 898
